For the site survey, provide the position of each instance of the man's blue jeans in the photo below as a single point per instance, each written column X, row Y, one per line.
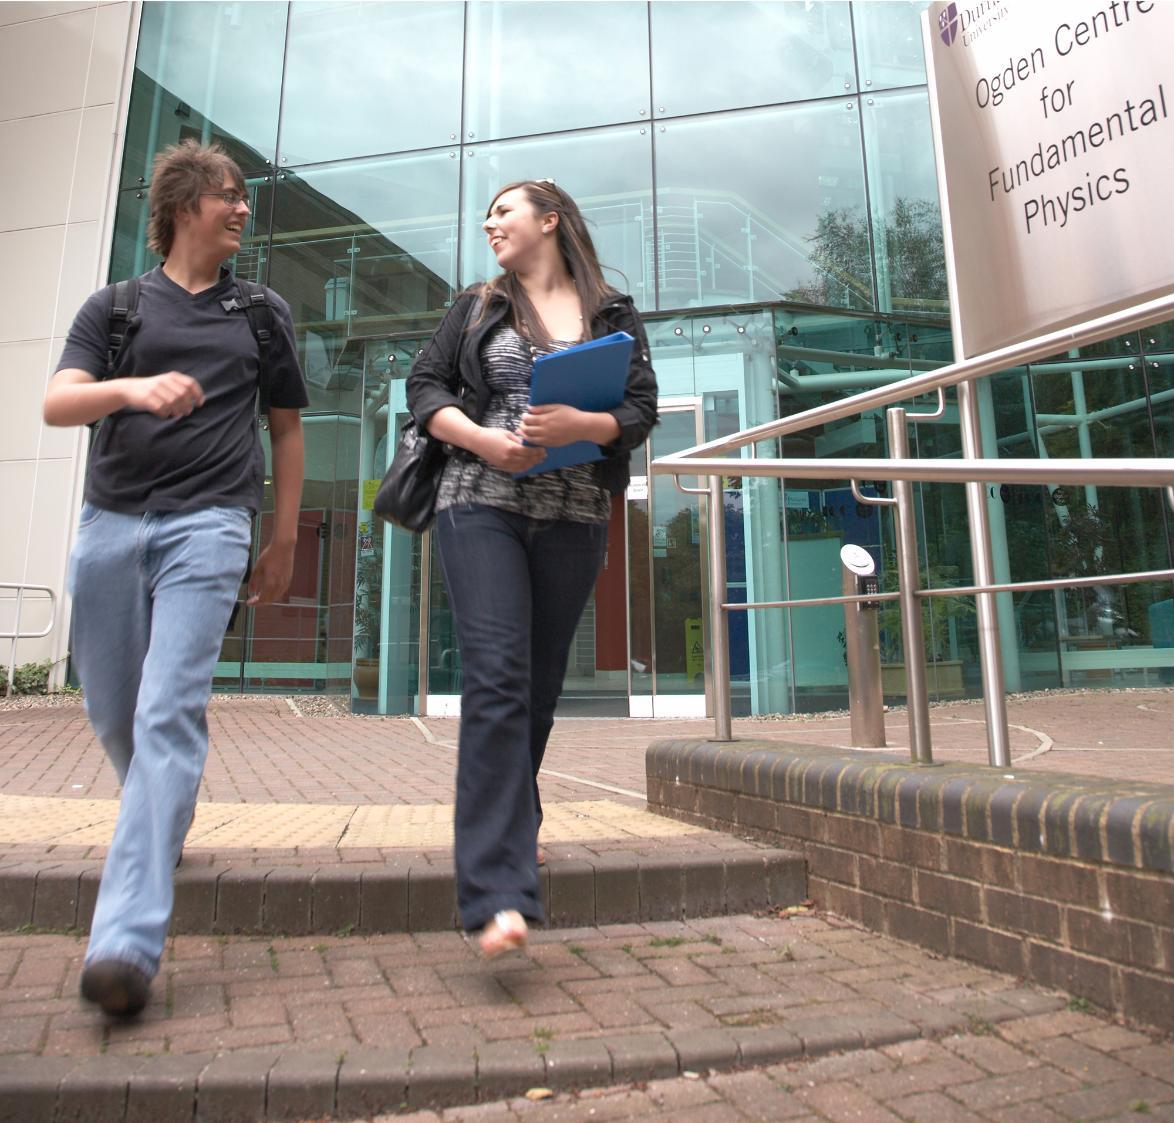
column 517, row 587
column 152, row 596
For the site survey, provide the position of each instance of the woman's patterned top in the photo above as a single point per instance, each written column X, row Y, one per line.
column 571, row 494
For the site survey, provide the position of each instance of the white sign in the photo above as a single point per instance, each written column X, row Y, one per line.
column 1055, row 150
column 638, row 488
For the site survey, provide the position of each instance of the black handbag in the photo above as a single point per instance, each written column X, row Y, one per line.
column 407, row 494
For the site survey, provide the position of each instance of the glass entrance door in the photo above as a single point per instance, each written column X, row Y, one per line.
column 669, row 643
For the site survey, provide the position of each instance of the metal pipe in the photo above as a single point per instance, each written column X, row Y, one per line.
column 1091, row 331
column 422, row 657
column 719, row 644
column 1141, row 577
column 15, row 641
column 908, row 582
column 866, row 706
column 1123, row 472
column 989, row 653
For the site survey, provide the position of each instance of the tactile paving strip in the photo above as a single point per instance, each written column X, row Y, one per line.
column 223, row 826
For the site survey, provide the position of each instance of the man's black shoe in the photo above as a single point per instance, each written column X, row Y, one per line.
column 120, row 988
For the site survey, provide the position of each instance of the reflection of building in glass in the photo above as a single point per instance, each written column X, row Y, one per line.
column 761, row 178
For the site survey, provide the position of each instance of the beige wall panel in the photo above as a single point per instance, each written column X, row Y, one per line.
column 21, row 11
column 110, row 46
column 43, row 64
column 39, row 155
column 22, row 383
column 16, row 485
column 91, row 172
column 52, row 523
column 79, row 273
column 33, row 256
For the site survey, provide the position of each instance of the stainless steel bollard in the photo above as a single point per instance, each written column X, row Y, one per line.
column 862, row 645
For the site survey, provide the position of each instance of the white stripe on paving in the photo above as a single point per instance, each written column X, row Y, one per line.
column 432, row 739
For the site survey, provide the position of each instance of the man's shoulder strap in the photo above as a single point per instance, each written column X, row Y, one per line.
column 260, row 313
column 121, row 321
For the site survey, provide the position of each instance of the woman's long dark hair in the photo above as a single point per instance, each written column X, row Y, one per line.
column 578, row 251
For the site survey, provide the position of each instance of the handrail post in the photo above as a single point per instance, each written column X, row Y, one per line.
column 909, row 581
column 990, row 656
column 719, row 644
column 866, row 706
column 15, row 641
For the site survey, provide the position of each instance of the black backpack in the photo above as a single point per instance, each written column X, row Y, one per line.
column 124, row 322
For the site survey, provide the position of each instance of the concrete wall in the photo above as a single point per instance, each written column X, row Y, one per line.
column 62, row 74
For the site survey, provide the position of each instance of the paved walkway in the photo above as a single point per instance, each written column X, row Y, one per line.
column 778, row 1016
column 722, row 1019
column 293, row 752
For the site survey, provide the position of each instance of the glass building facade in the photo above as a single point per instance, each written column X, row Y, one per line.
column 760, row 177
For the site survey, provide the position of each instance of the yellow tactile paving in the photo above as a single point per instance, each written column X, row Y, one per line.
column 225, row 826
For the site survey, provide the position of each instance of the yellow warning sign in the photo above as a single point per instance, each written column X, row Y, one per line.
column 370, row 487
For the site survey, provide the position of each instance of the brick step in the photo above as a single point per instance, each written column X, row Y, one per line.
column 301, row 1082
column 416, row 893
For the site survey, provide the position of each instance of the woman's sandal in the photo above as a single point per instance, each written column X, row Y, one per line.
column 505, row 932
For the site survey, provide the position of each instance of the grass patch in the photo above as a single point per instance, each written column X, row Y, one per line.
column 1079, row 1005
column 577, row 949
column 272, row 958
column 980, row 1027
column 345, row 931
column 667, row 941
column 1140, row 1106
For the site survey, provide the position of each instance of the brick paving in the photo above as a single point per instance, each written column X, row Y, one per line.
column 737, row 1017
column 767, row 1017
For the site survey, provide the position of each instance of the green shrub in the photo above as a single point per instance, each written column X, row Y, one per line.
column 28, row 678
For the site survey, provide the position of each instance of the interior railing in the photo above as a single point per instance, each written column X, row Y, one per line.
column 713, row 461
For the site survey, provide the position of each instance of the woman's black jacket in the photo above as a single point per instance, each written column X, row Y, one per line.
column 433, row 382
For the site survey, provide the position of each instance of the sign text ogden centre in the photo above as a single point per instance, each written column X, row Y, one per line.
column 1067, row 136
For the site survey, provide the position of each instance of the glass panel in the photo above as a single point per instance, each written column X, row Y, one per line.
column 363, row 249
column 1097, row 402
column 907, row 221
column 888, row 43
column 129, row 255
column 209, row 71
column 708, row 56
column 386, row 588
column 763, row 205
column 609, row 173
column 678, row 613
column 364, row 78
column 588, row 60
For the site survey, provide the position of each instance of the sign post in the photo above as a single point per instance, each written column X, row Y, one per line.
column 1054, row 129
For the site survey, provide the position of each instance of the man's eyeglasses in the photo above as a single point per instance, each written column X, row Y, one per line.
column 231, row 199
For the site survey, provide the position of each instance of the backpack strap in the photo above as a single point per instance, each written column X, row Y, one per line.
column 260, row 314
column 122, row 322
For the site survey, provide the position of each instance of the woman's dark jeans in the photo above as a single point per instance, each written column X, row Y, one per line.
column 517, row 587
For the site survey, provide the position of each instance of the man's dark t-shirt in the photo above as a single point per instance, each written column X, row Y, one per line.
column 212, row 457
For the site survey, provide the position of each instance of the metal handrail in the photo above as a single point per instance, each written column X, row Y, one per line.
column 1103, row 327
column 706, row 460
column 16, row 635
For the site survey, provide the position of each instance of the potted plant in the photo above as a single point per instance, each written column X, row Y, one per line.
column 943, row 674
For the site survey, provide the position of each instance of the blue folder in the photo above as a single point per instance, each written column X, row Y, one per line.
column 590, row 376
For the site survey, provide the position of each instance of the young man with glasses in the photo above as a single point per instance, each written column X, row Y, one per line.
column 174, row 478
